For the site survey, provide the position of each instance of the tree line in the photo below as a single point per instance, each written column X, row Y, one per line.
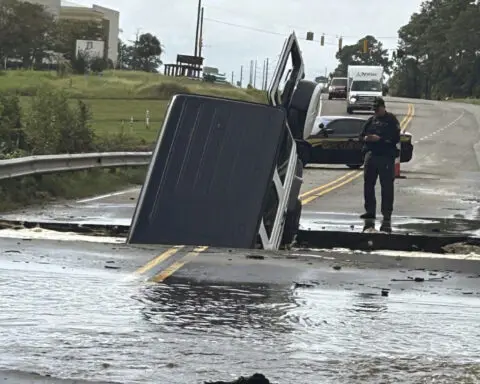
column 439, row 51
column 29, row 35
column 438, row 54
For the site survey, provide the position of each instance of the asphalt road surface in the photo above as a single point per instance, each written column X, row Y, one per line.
column 441, row 182
column 79, row 310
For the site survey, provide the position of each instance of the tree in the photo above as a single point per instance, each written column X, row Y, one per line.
column 439, row 51
column 144, row 54
column 26, row 31
column 125, row 56
column 354, row 55
column 147, row 51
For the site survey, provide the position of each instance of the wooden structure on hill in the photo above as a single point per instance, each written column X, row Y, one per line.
column 188, row 66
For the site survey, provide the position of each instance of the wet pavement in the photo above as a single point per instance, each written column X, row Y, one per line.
column 76, row 310
column 344, row 222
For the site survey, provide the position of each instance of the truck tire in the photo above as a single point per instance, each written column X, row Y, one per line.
column 304, row 151
column 292, row 222
column 349, row 110
column 330, row 97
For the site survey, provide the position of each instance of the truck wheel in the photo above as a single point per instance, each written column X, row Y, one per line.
column 330, row 97
column 304, row 151
column 354, row 166
column 350, row 111
column 292, row 222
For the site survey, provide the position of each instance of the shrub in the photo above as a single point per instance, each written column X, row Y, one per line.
column 52, row 125
column 12, row 137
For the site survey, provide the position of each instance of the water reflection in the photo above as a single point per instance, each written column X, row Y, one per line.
column 368, row 303
column 222, row 310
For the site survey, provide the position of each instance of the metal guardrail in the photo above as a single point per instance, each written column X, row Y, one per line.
column 36, row 165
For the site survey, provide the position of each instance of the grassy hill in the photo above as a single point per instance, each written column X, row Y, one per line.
column 117, row 97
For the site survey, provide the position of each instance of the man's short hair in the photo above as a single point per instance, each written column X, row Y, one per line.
column 379, row 102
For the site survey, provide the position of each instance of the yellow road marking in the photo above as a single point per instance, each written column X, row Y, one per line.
column 321, row 190
column 159, row 259
column 324, row 192
column 325, row 185
column 160, row 277
column 409, row 118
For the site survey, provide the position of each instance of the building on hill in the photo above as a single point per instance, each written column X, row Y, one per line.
column 109, row 18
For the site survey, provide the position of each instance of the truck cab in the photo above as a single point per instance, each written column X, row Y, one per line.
column 365, row 84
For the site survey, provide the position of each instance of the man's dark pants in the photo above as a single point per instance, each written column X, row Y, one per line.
column 382, row 167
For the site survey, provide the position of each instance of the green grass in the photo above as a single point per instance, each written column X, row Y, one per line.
column 468, row 101
column 118, row 96
column 18, row 193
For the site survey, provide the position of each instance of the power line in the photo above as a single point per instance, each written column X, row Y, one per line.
column 259, row 30
column 336, row 36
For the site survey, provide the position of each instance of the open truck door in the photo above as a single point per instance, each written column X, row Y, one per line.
column 225, row 173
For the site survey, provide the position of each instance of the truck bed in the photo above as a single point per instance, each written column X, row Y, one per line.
column 209, row 175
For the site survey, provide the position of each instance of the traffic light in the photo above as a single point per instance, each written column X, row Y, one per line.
column 322, row 40
column 310, row 36
column 340, row 43
column 365, row 46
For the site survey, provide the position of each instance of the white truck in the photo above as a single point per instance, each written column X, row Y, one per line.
column 365, row 83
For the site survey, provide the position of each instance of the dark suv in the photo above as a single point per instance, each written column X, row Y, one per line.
column 337, row 88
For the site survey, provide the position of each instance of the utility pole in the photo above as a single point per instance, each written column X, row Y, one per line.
column 241, row 76
column 200, row 42
column 197, row 31
column 255, row 75
column 251, row 73
column 135, row 53
column 266, row 75
column 263, row 76
column 233, row 75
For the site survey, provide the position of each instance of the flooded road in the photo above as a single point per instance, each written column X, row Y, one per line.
column 102, row 325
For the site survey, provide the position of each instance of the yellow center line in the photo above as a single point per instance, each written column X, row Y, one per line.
column 316, row 189
column 167, row 272
column 324, row 192
column 321, row 190
column 409, row 118
column 159, row 259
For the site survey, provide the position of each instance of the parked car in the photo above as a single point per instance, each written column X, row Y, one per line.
column 336, row 140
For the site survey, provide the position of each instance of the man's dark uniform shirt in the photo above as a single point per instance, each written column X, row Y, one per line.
column 388, row 128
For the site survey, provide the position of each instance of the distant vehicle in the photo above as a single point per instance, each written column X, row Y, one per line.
column 338, row 88
column 336, row 140
column 365, row 83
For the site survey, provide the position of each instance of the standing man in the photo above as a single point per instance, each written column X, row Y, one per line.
column 380, row 135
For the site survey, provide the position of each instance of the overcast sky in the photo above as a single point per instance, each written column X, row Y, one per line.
column 229, row 47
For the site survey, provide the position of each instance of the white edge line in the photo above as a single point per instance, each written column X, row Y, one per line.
column 101, row 197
